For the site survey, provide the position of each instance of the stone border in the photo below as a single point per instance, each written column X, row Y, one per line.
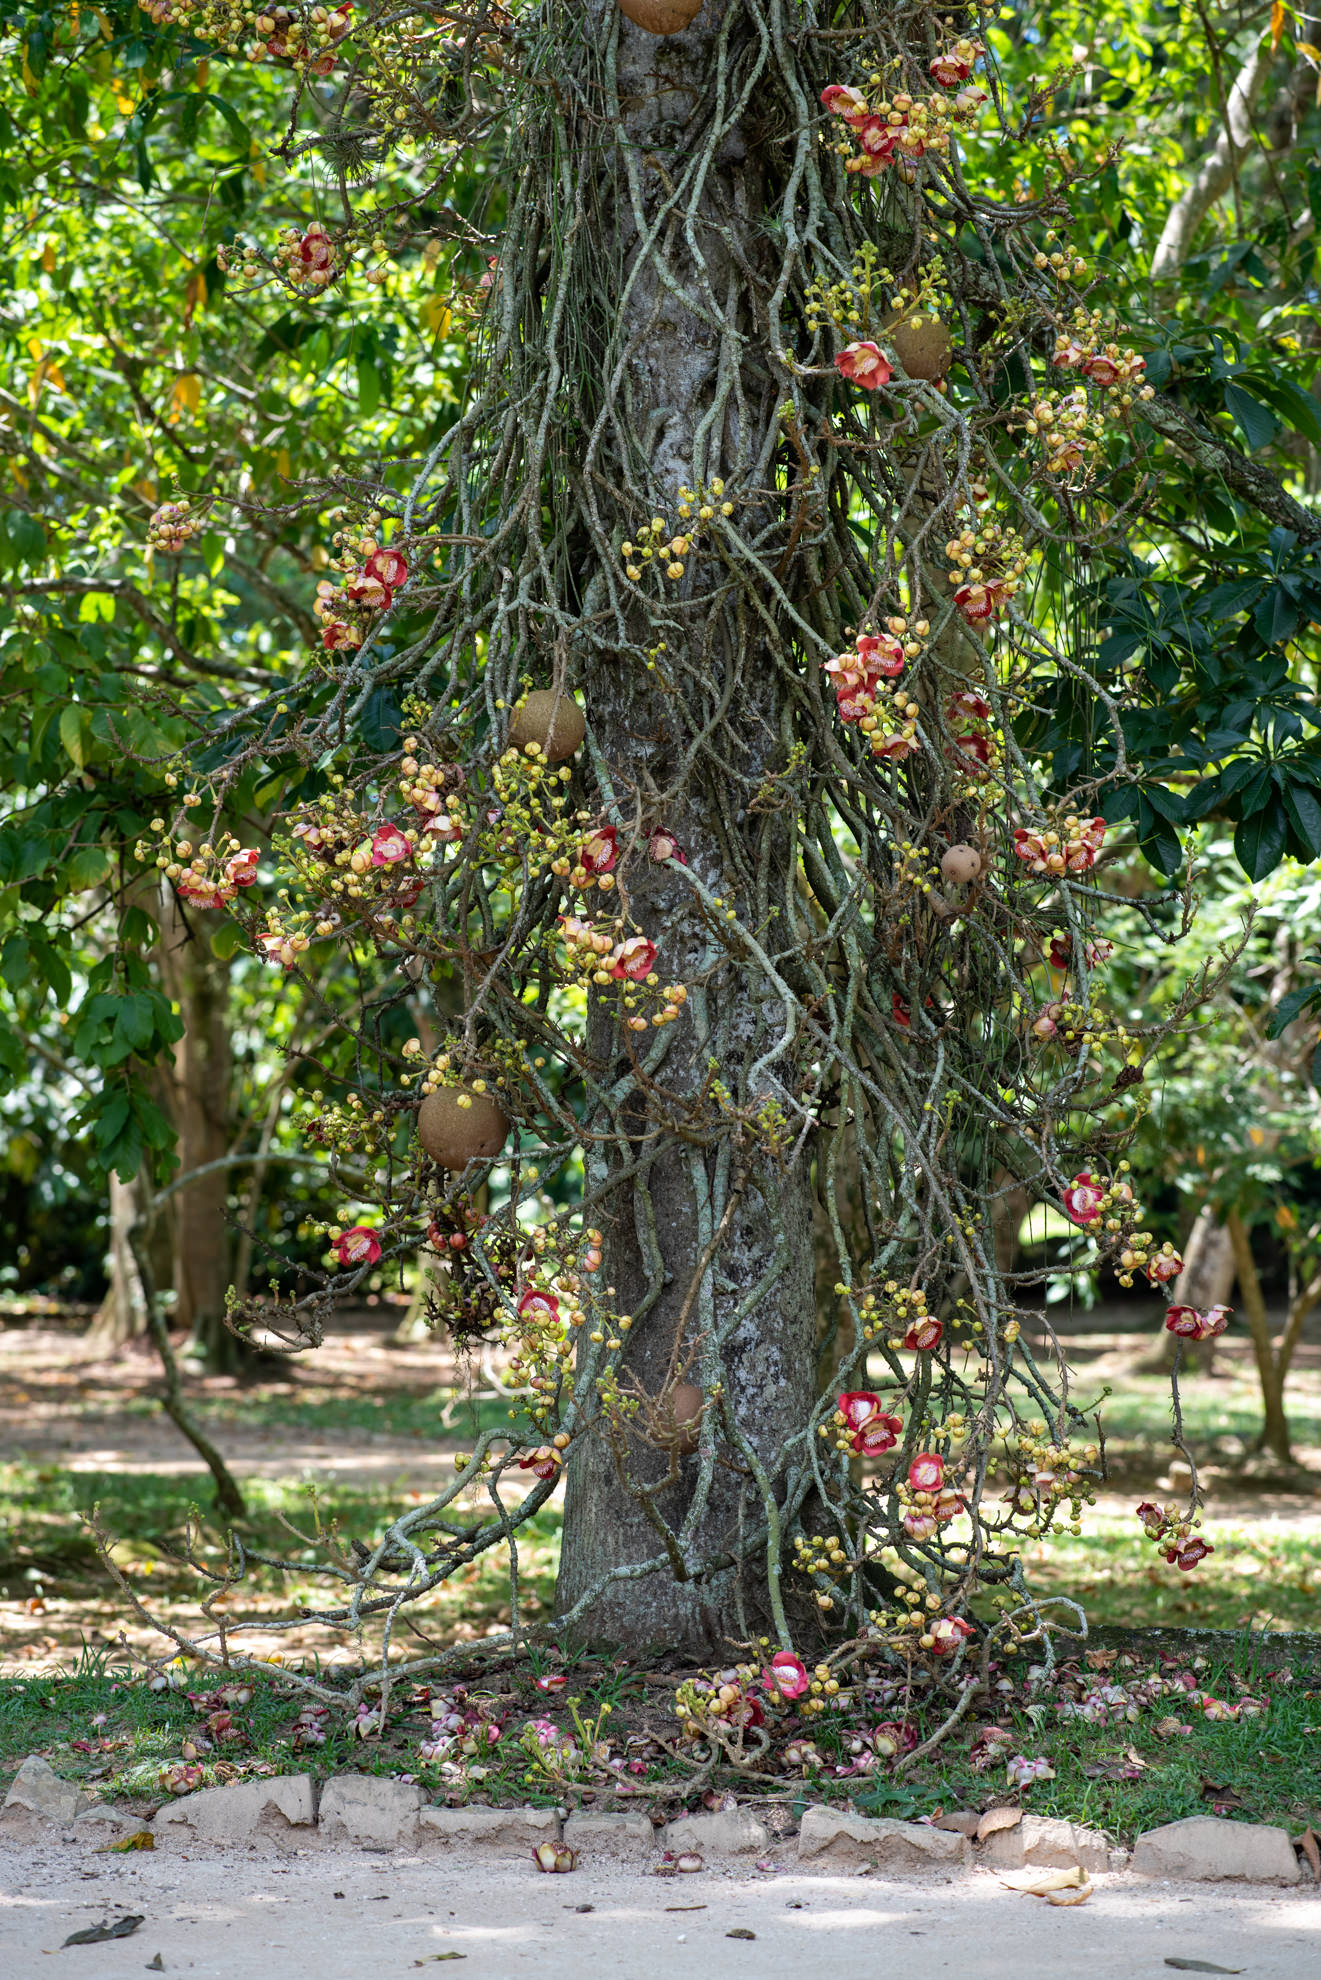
column 370, row 1811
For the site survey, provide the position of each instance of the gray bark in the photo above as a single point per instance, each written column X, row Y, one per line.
column 1215, row 174
column 740, row 1312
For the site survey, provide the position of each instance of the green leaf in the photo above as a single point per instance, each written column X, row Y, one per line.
column 227, row 940
column 75, row 730
column 1258, row 422
column 87, row 868
column 1291, row 1005
column 369, row 387
column 1305, row 812
column 1259, row 841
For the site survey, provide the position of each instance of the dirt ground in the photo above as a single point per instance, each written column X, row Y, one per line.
column 64, row 1406
column 322, row 1916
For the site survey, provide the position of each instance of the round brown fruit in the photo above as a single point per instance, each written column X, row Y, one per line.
column 961, row 864
column 453, row 1135
column 923, row 346
column 661, row 16
column 680, row 1416
column 552, row 719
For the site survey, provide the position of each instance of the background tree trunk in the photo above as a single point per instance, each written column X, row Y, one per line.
column 1207, row 1279
column 199, row 1096
column 751, row 1310
column 122, row 1315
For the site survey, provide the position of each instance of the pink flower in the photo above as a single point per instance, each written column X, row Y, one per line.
column 927, row 1472
column 953, row 65
column 552, row 1681
column 896, row 748
column 919, row 1523
column 1188, row 1553
column 1022, row 1772
column 1183, row 1320
column 900, row 1012
column 1166, row 1265
column 1214, row 1321
column 865, row 365
column 858, row 1406
column 949, row 1632
column 965, row 706
column 664, row 845
column 924, row 1334
column 972, row 753
column 316, row 257
column 633, row 959
column 844, row 102
column 337, row 637
column 539, row 1305
column 976, row 602
column 202, row 894
column 241, row 870
column 788, row 1674
column 389, row 846
column 363, row 587
column 389, row 566
column 544, row 1461
column 360, row 1246
column 1082, row 1199
column 880, row 1433
column 880, row 654
column 1152, row 1517
column 599, row 850
column 893, row 1736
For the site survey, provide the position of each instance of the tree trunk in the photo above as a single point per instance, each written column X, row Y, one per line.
column 200, row 1109
column 1275, row 1424
column 1207, row 1279
column 122, row 1315
column 709, row 1244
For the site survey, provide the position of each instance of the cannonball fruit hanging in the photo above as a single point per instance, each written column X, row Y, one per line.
column 453, row 1135
column 923, row 346
column 552, row 719
column 961, row 864
column 661, row 16
column 680, row 1418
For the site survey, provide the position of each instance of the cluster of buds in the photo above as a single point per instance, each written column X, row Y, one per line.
column 886, row 716
column 1046, row 1473
column 914, row 1326
column 899, row 129
column 372, row 576
column 1110, row 367
column 1111, row 1212
column 308, row 260
column 285, row 938
column 927, row 1501
column 206, row 876
column 1174, row 1535
column 723, row 1706
column 599, row 956
column 987, row 565
column 825, row 1555
column 172, row 527
column 1191, row 1323
column 1071, row 849
column 862, row 1426
column 306, row 37
column 1070, row 430
column 668, row 548
column 434, row 791
column 1067, row 1023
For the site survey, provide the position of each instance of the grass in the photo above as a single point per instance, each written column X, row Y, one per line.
column 100, row 1725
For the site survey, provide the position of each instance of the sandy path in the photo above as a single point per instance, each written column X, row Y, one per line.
column 342, row 1916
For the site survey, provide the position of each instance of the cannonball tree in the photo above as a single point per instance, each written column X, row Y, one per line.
column 704, row 770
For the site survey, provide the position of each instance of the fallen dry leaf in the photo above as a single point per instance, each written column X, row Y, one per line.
column 998, row 1818
column 1201, row 1966
column 95, row 1935
column 1038, row 1883
column 740, row 1932
column 1307, row 1842
column 1079, row 1896
column 140, row 1839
